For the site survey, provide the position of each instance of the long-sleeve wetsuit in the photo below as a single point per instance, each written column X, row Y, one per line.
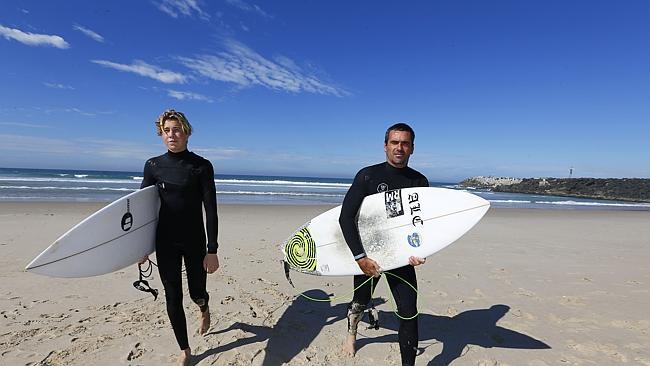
column 370, row 180
column 186, row 185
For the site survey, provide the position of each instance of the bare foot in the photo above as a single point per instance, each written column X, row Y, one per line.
column 349, row 348
column 205, row 321
column 185, row 357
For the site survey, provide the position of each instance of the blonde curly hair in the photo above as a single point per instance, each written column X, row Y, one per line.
column 176, row 116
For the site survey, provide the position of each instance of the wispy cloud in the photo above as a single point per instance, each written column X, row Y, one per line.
column 120, row 149
column 75, row 110
column 89, row 33
column 249, row 8
column 180, row 95
column 176, row 8
column 19, row 124
column 58, row 86
column 144, row 69
column 33, row 39
column 18, row 143
column 93, row 149
column 79, row 111
column 220, row 154
column 243, row 66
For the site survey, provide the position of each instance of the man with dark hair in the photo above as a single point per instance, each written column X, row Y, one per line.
column 392, row 174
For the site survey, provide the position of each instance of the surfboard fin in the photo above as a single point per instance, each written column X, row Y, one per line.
column 286, row 272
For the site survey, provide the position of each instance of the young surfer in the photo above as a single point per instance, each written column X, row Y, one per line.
column 389, row 175
column 186, row 185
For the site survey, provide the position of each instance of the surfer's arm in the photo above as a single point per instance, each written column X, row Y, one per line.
column 210, row 204
column 348, row 217
column 147, row 175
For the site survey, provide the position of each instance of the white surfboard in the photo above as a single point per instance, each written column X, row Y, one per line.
column 393, row 226
column 112, row 238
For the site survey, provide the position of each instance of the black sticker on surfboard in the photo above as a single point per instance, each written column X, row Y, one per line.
column 393, row 200
column 127, row 218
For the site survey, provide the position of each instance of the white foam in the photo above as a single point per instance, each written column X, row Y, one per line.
column 510, row 201
column 69, row 188
column 581, row 203
column 301, row 194
column 91, row 180
column 279, row 182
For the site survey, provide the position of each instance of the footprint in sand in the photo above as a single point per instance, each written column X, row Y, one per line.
column 572, row 301
column 137, row 352
column 595, row 349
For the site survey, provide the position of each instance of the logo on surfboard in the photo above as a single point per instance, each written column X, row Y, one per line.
column 393, row 200
column 300, row 251
column 414, row 240
column 127, row 218
column 414, row 205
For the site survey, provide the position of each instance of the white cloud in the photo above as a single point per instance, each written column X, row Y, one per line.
column 250, row 8
column 33, row 39
column 89, row 33
column 58, row 86
column 180, row 95
column 144, row 69
column 243, row 66
column 187, row 8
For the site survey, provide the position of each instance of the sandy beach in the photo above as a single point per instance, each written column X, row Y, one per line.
column 524, row 287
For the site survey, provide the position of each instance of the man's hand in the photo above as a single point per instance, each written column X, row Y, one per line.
column 211, row 262
column 416, row 261
column 369, row 267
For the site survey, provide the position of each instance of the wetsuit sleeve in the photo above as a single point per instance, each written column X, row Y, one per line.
column 424, row 182
column 209, row 193
column 348, row 218
column 147, row 176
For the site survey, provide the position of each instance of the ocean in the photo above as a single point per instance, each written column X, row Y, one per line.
column 50, row 185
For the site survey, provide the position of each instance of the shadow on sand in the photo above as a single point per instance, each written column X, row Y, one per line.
column 298, row 326
column 304, row 319
column 473, row 327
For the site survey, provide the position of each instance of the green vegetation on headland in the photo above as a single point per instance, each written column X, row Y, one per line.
column 620, row 189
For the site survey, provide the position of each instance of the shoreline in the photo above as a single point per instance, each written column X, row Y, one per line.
column 94, row 206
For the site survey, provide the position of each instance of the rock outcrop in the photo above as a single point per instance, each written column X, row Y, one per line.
column 621, row 189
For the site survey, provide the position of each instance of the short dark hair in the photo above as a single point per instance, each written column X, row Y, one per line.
column 400, row 127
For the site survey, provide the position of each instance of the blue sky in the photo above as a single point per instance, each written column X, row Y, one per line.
column 307, row 88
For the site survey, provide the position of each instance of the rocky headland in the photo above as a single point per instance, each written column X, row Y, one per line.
column 620, row 189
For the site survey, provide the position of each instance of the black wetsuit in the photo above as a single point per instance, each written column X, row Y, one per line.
column 186, row 185
column 370, row 180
